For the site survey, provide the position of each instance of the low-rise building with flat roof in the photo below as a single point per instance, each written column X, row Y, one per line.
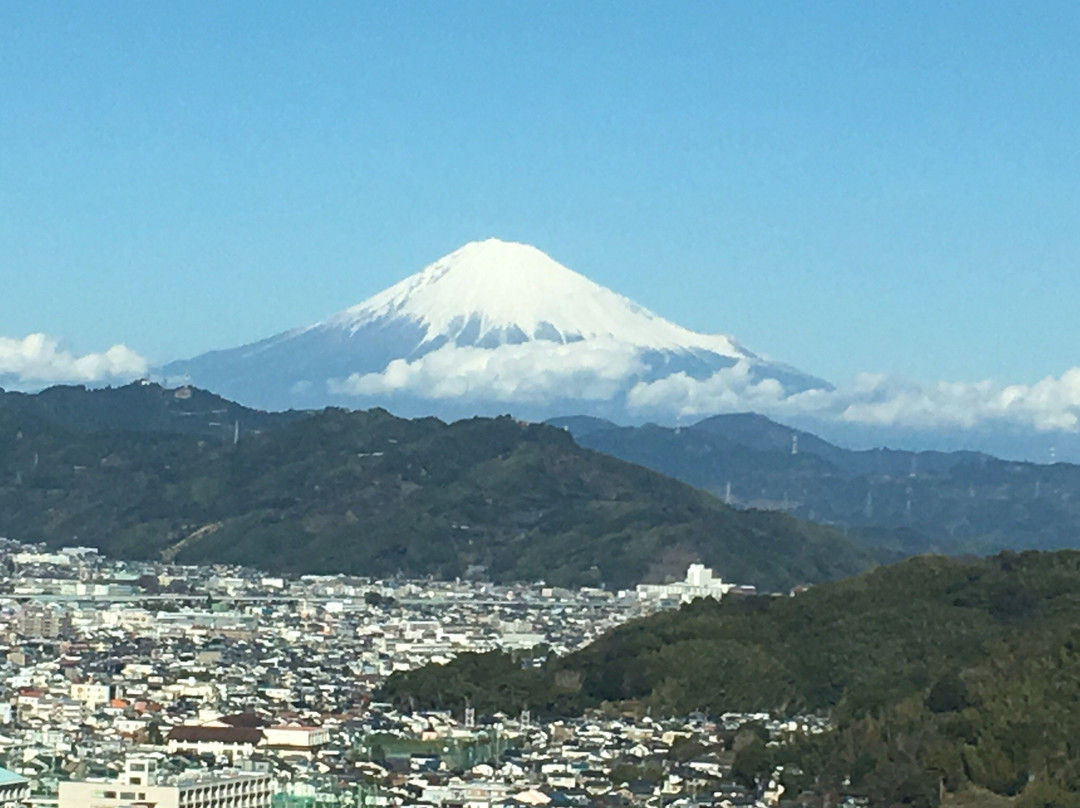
column 140, row 786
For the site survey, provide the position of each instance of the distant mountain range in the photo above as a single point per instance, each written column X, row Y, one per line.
column 911, row 502
column 892, row 503
column 499, row 327
column 493, row 327
column 153, row 473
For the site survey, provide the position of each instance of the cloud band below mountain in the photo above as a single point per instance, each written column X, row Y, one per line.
column 525, row 373
column 38, row 360
column 1052, row 404
column 596, row 370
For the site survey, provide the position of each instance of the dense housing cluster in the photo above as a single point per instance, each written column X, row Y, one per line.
column 131, row 683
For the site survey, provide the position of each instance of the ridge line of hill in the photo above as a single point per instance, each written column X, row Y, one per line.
column 368, row 493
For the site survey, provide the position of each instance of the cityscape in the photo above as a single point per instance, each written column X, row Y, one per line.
column 492, row 404
column 131, row 684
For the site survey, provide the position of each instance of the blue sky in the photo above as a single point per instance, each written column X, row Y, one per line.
column 844, row 186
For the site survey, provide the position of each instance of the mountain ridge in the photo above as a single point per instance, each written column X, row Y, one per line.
column 491, row 326
column 368, row 493
column 907, row 501
column 486, row 279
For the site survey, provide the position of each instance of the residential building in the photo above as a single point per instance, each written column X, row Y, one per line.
column 140, row 786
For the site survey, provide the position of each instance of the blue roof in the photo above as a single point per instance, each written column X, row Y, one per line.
column 9, row 776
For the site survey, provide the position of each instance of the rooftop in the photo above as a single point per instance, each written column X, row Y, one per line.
column 10, row 777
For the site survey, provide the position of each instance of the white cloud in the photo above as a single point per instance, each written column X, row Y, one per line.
column 728, row 389
column 38, row 359
column 598, row 370
column 873, row 399
column 530, row 372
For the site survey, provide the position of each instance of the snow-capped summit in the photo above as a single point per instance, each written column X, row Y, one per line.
column 491, row 327
column 496, row 292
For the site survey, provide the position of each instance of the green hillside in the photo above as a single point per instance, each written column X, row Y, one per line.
column 368, row 493
column 144, row 407
column 908, row 502
column 938, row 673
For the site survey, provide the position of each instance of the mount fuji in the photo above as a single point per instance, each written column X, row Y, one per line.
column 492, row 327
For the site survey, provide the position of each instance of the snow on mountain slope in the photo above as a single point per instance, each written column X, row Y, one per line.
column 515, row 293
column 492, row 326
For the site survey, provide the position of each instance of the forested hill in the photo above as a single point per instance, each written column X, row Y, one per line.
column 368, row 493
column 144, row 407
column 935, row 670
column 909, row 502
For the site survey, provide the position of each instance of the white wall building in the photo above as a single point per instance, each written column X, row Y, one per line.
column 699, row 583
column 91, row 694
column 140, row 786
column 295, row 737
